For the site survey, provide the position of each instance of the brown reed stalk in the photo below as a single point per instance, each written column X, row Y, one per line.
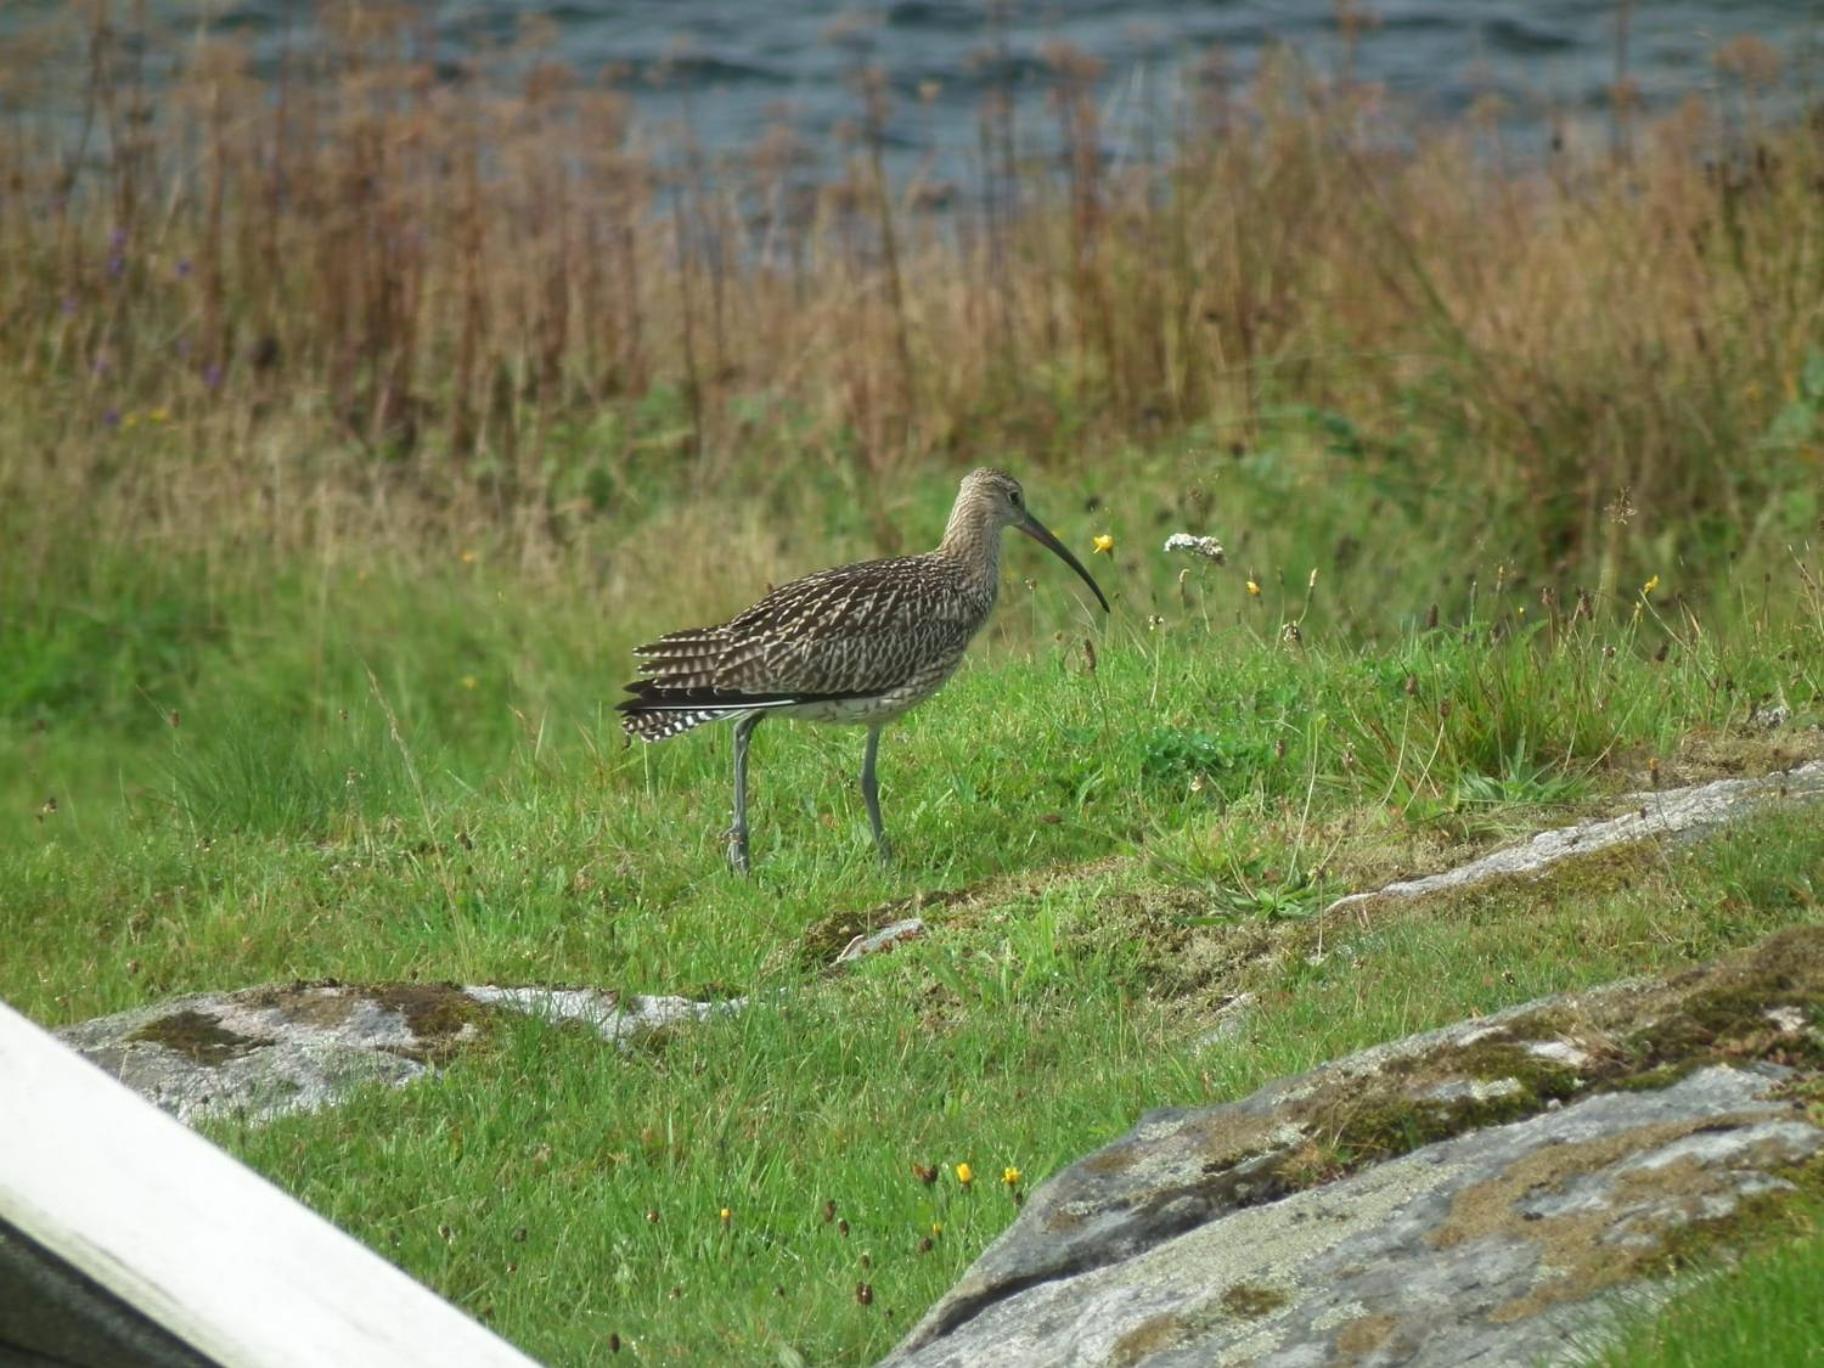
column 470, row 242
column 684, row 257
column 873, row 82
column 1623, row 94
column 357, row 253
column 1074, row 74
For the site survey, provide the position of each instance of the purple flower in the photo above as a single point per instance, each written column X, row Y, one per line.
column 183, row 268
column 117, row 266
column 212, row 376
column 111, row 418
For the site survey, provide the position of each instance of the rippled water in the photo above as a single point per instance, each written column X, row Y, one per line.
column 733, row 67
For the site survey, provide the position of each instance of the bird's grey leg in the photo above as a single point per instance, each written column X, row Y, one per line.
column 737, row 834
column 870, row 792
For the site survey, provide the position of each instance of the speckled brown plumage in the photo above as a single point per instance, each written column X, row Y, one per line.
column 885, row 633
column 857, row 644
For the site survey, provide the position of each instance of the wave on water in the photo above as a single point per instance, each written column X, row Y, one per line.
column 733, row 69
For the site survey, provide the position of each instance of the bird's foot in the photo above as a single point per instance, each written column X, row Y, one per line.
column 883, row 849
column 737, row 851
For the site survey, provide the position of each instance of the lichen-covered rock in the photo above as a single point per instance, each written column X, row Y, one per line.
column 262, row 1052
column 1678, row 814
column 1470, row 1194
column 887, row 938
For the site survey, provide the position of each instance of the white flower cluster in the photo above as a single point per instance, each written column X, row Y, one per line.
column 1207, row 547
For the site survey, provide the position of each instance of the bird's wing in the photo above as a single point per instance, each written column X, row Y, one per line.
column 855, row 629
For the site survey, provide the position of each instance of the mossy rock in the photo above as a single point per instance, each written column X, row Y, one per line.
column 199, row 1037
column 1524, row 1163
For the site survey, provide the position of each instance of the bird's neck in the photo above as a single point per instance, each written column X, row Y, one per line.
column 972, row 541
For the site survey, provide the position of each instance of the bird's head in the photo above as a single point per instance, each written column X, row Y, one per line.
column 999, row 495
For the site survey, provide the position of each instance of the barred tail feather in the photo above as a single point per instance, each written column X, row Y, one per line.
column 655, row 712
column 659, row 724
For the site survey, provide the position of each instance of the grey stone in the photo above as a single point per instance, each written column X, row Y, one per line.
column 1231, row 1021
column 612, row 1016
column 1681, row 814
column 1485, row 1193
column 886, row 938
column 263, row 1052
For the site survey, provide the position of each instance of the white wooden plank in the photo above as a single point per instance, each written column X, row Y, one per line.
column 197, row 1241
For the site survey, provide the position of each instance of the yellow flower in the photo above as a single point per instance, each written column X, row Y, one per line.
column 937, row 1228
column 1104, row 544
column 1650, row 585
column 1253, row 589
column 469, row 681
column 1011, row 1176
column 727, row 1215
column 468, row 558
column 964, row 1174
column 161, row 414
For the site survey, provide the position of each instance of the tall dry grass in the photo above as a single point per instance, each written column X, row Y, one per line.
column 364, row 289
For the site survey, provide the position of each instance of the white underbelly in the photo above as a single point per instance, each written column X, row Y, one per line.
column 873, row 709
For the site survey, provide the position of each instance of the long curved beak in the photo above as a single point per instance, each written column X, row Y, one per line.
column 1035, row 529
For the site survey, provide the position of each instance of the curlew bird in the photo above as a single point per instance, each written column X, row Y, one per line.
column 857, row 644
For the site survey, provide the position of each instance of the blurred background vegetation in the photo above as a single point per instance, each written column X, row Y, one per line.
column 359, row 304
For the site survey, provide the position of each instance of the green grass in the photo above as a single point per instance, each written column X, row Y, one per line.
column 375, row 769
column 367, row 779
column 1767, row 1309
column 550, row 1172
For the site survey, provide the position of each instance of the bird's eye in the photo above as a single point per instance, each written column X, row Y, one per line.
column 1015, row 496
